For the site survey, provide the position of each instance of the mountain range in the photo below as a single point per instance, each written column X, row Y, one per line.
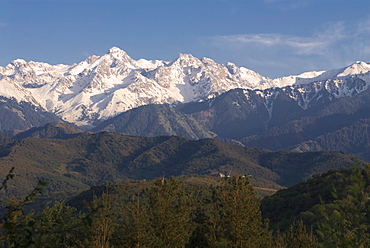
column 70, row 160
column 194, row 98
column 101, row 87
column 115, row 123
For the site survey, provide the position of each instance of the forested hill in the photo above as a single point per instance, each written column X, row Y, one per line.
column 328, row 210
column 74, row 164
column 345, row 187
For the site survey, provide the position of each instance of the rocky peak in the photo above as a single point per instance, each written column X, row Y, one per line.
column 232, row 68
column 15, row 66
column 117, row 53
column 18, row 62
column 119, row 58
column 185, row 60
column 92, row 59
column 356, row 68
column 115, row 50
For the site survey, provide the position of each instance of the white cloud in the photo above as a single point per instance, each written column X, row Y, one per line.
column 301, row 45
column 332, row 45
column 315, row 44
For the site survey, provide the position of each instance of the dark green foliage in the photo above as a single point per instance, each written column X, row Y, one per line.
column 335, row 205
column 177, row 213
column 183, row 213
column 295, row 237
column 57, row 226
column 346, row 220
column 136, row 229
column 302, row 202
column 158, row 216
column 169, row 209
column 236, row 215
column 100, row 222
column 16, row 229
column 289, row 204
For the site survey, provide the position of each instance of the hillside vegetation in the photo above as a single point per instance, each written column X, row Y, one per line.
column 157, row 213
column 301, row 201
column 329, row 210
column 73, row 164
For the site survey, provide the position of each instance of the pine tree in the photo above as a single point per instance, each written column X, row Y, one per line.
column 346, row 221
column 101, row 223
column 238, row 218
column 57, row 226
column 136, row 229
column 169, row 210
column 295, row 237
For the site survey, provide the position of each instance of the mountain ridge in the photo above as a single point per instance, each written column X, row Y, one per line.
column 76, row 163
column 102, row 87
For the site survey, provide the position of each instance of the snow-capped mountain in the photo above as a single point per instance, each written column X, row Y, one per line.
column 309, row 94
column 101, row 87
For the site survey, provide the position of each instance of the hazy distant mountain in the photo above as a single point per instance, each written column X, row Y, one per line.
column 51, row 131
column 329, row 115
column 338, row 125
column 155, row 120
column 251, row 111
column 16, row 115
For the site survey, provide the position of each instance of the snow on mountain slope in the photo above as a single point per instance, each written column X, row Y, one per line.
column 357, row 68
column 317, row 93
column 101, row 87
column 104, row 86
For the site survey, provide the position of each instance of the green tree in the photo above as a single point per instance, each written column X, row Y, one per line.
column 237, row 217
column 100, row 223
column 136, row 229
column 346, row 221
column 58, row 226
column 203, row 218
column 169, row 210
column 17, row 227
column 295, row 237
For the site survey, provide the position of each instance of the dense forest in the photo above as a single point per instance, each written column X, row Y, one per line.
column 327, row 210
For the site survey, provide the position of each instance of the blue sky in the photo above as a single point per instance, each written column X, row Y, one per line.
column 272, row 37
